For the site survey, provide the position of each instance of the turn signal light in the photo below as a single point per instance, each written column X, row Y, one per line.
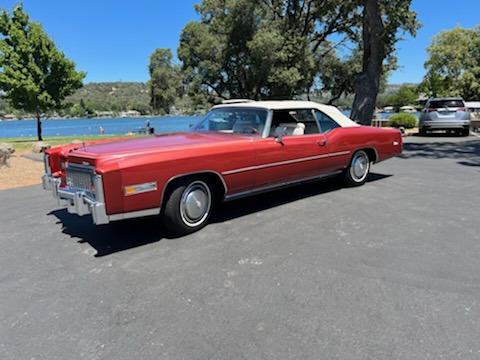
column 139, row 188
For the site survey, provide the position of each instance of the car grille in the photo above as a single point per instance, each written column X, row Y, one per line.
column 80, row 178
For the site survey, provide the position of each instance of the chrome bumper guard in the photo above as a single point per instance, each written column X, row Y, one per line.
column 78, row 201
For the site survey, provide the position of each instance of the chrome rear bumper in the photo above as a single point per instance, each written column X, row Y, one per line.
column 446, row 124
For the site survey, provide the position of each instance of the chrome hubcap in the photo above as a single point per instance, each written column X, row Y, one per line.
column 360, row 166
column 195, row 203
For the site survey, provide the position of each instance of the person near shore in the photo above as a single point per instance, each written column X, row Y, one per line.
column 102, row 130
column 148, row 129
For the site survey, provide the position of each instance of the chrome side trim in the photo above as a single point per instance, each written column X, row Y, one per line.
column 279, row 186
column 286, row 162
column 134, row 214
column 339, row 153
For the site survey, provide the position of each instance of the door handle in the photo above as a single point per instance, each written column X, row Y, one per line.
column 322, row 142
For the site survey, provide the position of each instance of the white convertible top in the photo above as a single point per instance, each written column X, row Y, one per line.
column 329, row 110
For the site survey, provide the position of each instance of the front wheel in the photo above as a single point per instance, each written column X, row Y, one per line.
column 188, row 206
column 357, row 172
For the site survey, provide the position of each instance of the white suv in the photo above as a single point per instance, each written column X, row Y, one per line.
column 448, row 114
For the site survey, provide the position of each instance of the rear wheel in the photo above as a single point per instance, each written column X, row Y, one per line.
column 422, row 131
column 357, row 172
column 465, row 132
column 188, row 206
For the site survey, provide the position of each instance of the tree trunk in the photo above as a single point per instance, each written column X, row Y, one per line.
column 39, row 127
column 367, row 83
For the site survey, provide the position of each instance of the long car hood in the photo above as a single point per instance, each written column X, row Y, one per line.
column 159, row 143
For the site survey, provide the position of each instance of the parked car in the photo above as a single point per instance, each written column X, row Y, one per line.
column 237, row 150
column 448, row 114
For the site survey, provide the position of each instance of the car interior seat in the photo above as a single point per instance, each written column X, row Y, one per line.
column 247, row 126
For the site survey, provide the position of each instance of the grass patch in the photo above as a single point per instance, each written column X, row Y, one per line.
column 22, row 144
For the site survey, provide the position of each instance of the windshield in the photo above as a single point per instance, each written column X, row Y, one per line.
column 438, row 104
column 235, row 121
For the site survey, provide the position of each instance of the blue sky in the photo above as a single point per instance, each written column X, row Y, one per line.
column 112, row 40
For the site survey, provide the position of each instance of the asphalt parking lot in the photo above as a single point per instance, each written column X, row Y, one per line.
column 390, row 270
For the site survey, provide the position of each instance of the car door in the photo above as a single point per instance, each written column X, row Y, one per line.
column 301, row 153
column 337, row 142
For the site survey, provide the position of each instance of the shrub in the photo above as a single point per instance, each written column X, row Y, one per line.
column 406, row 120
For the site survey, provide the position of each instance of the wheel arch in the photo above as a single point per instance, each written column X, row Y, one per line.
column 371, row 152
column 210, row 176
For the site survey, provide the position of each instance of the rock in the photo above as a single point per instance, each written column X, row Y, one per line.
column 8, row 147
column 6, row 150
column 40, row 146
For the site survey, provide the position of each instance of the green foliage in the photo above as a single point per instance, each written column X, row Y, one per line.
column 453, row 67
column 405, row 95
column 260, row 49
column 337, row 75
column 408, row 121
column 35, row 76
column 165, row 83
column 110, row 96
column 282, row 48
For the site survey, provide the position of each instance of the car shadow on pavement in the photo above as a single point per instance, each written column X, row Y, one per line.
column 113, row 237
column 249, row 205
column 131, row 233
column 467, row 152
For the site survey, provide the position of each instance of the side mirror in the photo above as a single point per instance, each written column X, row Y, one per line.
column 279, row 134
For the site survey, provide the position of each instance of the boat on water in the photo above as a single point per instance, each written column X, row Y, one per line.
column 408, row 109
column 388, row 109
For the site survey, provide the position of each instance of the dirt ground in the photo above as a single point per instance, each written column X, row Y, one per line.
column 22, row 172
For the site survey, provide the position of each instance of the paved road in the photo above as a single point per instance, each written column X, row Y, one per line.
column 390, row 270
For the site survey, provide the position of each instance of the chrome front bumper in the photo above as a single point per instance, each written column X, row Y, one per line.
column 77, row 201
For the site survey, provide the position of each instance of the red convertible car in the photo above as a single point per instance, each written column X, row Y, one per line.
column 238, row 149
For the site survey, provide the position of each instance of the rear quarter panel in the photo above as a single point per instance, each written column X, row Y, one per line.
column 386, row 142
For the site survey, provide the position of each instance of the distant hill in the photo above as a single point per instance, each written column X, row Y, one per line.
column 124, row 96
column 394, row 87
column 113, row 96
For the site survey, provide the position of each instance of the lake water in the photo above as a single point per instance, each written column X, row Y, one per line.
column 77, row 127
column 112, row 126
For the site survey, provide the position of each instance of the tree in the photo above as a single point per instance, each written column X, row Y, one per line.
column 35, row 76
column 381, row 22
column 453, row 67
column 337, row 74
column 262, row 49
column 165, row 80
column 405, row 95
